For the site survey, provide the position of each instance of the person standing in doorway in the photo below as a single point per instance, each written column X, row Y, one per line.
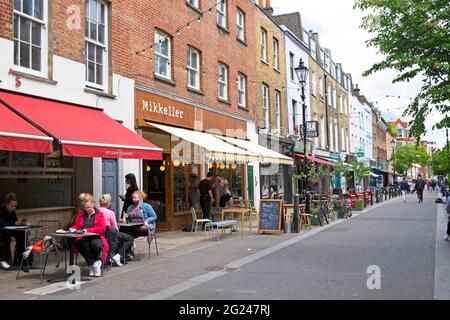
column 205, row 187
column 404, row 188
column 130, row 180
column 222, row 191
column 419, row 187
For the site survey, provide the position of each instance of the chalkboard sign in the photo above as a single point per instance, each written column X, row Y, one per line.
column 270, row 212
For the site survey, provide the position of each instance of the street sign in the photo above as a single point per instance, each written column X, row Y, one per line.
column 360, row 153
column 312, row 129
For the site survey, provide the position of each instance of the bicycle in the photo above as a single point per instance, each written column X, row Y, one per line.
column 348, row 212
column 322, row 212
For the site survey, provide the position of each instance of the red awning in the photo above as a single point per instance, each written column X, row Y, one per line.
column 16, row 134
column 83, row 132
column 318, row 160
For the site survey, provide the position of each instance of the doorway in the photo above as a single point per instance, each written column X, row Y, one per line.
column 110, row 182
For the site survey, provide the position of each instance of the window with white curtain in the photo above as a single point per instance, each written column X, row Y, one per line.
column 193, row 68
column 242, row 90
column 276, row 62
column 240, row 25
column 223, row 81
column 263, row 45
column 222, row 13
column 163, row 54
column 314, row 84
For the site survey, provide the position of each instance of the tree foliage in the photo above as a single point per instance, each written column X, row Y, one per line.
column 441, row 162
column 414, row 38
column 408, row 155
column 392, row 130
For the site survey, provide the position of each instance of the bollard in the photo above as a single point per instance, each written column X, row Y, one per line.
column 296, row 218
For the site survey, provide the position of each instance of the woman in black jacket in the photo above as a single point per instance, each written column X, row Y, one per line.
column 130, row 180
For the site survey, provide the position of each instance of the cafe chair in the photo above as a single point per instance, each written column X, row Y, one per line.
column 48, row 226
column 156, row 245
column 196, row 221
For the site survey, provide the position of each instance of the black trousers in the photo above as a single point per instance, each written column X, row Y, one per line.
column 420, row 195
column 205, row 204
column 90, row 249
column 448, row 226
column 5, row 239
column 223, row 200
column 125, row 241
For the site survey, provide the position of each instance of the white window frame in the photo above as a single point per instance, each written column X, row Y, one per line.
column 265, row 104
column 278, row 109
column 44, row 41
column 276, row 57
column 314, row 84
column 222, row 13
column 191, row 69
column 160, row 35
column 240, row 25
column 223, row 69
column 194, row 3
column 292, row 66
column 103, row 46
column 263, row 45
column 321, row 93
column 242, row 90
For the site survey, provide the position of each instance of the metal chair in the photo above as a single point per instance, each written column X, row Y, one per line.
column 156, row 244
column 197, row 221
column 48, row 227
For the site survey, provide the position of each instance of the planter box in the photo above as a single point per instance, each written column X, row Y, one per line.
column 314, row 217
column 359, row 205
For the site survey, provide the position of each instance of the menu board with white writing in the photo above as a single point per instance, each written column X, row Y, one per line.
column 270, row 216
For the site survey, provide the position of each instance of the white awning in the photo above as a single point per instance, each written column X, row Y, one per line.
column 374, row 175
column 267, row 155
column 217, row 149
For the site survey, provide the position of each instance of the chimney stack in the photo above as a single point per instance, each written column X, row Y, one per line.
column 266, row 6
column 356, row 90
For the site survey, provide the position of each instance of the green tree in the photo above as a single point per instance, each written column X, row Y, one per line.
column 441, row 162
column 414, row 38
column 408, row 155
column 392, row 130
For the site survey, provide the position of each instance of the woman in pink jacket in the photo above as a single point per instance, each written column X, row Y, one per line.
column 91, row 220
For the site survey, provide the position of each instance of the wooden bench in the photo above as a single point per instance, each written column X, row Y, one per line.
column 220, row 225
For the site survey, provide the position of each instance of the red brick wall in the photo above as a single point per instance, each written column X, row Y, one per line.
column 133, row 27
column 134, row 24
column 6, row 19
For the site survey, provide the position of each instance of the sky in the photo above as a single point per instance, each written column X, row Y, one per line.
column 338, row 25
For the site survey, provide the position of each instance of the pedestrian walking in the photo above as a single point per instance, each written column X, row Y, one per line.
column 447, row 210
column 222, row 191
column 404, row 189
column 419, row 187
column 205, row 187
column 433, row 185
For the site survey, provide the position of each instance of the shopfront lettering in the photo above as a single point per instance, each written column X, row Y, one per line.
column 156, row 107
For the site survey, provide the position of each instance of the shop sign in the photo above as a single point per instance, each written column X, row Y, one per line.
column 312, row 129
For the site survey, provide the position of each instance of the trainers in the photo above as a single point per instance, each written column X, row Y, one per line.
column 97, row 268
column 446, row 237
column 116, row 260
column 4, row 265
column 91, row 271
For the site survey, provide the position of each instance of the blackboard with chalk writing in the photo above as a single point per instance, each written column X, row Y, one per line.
column 270, row 212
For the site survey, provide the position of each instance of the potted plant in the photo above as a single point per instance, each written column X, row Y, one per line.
column 314, row 217
column 359, row 204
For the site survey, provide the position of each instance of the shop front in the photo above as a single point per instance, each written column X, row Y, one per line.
column 192, row 144
column 276, row 178
column 47, row 149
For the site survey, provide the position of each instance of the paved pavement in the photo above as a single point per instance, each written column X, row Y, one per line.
column 398, row 238
column 325, row 263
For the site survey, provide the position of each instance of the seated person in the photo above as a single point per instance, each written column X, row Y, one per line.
column 124, row 240
column 8, row 217
column 141, row 212
column 91, row 220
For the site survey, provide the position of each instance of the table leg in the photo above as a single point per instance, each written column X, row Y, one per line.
column 71, row 255
column 250, row 218
column 242, row 218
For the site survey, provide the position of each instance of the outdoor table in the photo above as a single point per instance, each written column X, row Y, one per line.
column 71, row 237
column 287, row 206
column 242, row 212
column 26, row 230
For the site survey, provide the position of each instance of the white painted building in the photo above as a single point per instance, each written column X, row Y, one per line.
column 296, row 49
column 68, row 84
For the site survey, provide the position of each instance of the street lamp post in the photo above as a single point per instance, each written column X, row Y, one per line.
column 302, row 74
column 393, row 143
